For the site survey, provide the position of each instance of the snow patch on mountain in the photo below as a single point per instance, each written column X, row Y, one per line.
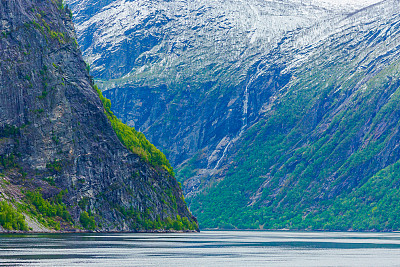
column 354, row 4
column 129, row 40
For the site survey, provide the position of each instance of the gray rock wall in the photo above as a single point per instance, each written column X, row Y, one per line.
column 64, row 134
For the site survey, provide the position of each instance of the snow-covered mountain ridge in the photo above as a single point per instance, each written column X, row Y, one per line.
column 132, row 39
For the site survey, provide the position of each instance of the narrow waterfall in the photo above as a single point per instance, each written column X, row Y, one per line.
column 244, row 121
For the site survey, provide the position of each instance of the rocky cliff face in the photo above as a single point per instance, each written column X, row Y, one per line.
column 295, row 129
column 56, row 136
column 178, row 71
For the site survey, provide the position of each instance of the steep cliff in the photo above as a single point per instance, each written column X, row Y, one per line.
column 62, row 164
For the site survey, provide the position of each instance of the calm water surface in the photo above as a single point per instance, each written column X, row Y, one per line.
column 208, row 248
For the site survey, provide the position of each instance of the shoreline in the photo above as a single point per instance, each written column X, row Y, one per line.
column 299, row 230
column 78, row 231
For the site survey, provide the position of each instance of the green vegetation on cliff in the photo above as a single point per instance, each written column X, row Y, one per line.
column 49, row 212
column 10, row 218
column 376, row 200
column 87, row 221
column 142, row 220
column 135, row 141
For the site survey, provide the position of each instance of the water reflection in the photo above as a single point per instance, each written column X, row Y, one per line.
column 213, row 248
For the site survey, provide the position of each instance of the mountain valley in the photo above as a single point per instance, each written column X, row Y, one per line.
column 275, row 114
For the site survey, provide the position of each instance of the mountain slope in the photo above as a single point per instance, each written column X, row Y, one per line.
column 324, row 153
column 62, row 164
column 161, row 60
column 297, row 129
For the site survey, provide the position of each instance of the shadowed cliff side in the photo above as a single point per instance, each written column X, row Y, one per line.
column 61, row 163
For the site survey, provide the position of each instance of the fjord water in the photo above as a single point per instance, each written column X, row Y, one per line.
column 208, row 248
